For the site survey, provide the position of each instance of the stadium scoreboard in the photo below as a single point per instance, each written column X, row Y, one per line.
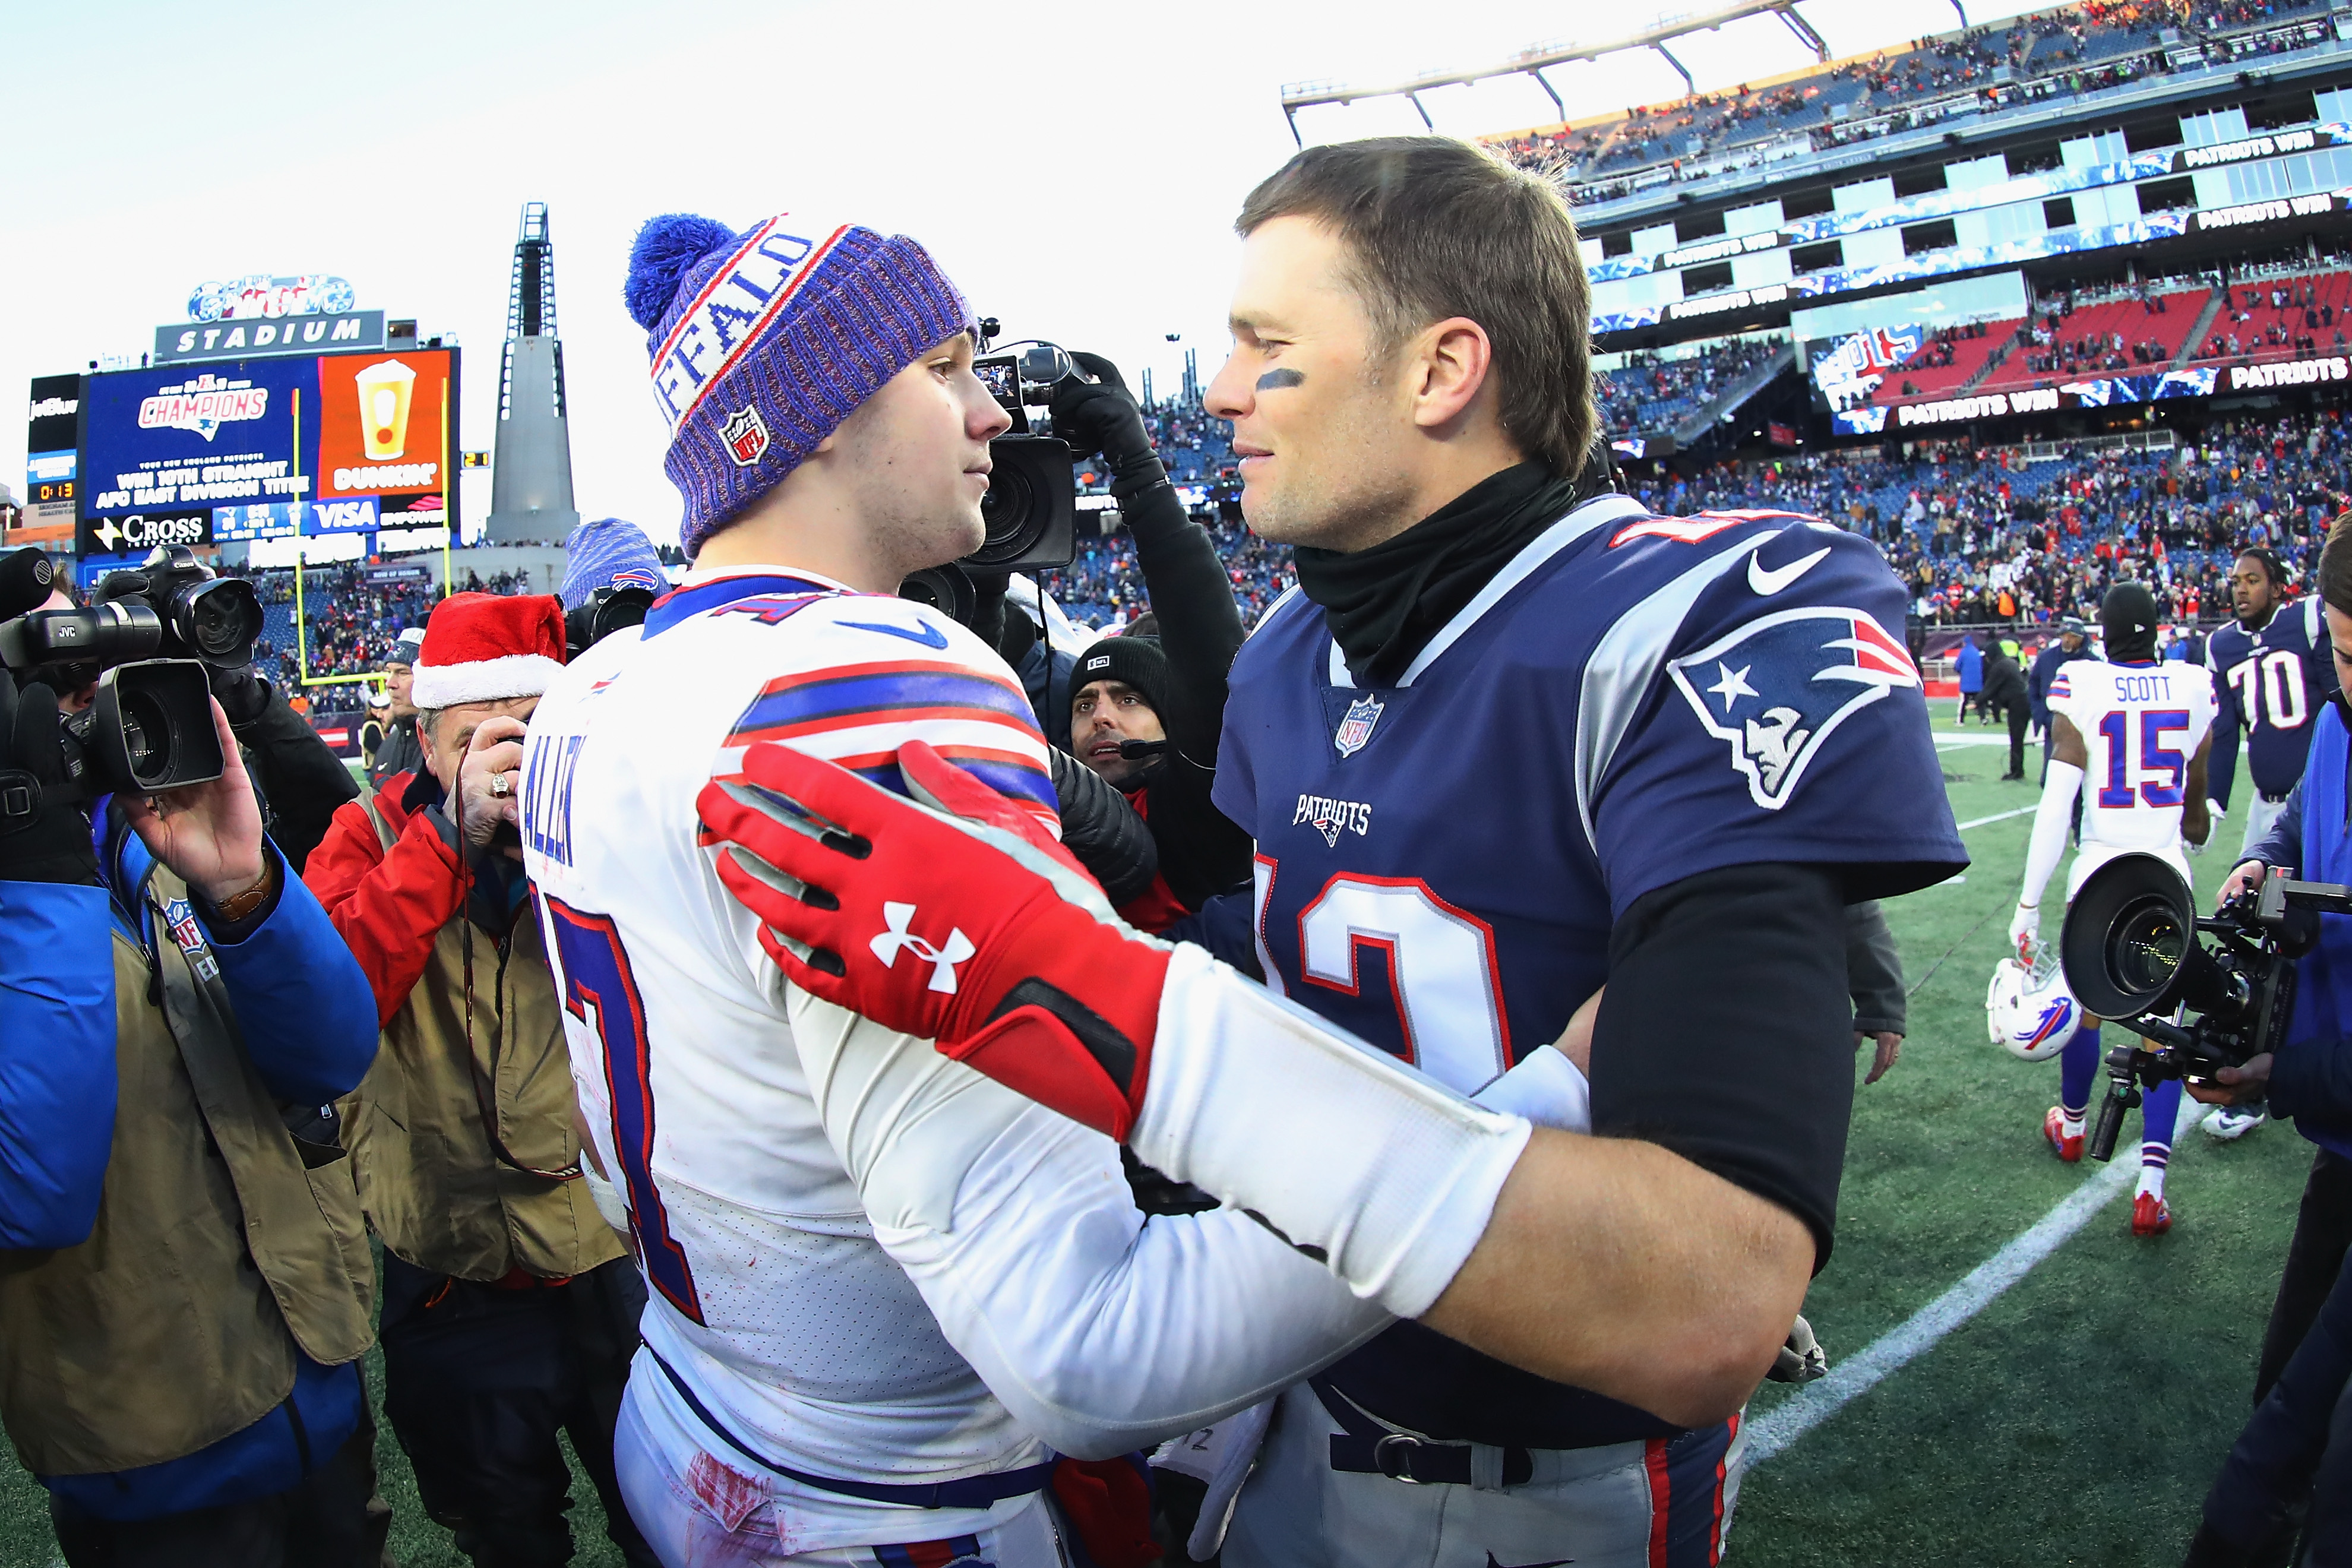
column 269, row 449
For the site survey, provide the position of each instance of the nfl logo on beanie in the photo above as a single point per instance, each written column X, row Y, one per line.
column 761, row 343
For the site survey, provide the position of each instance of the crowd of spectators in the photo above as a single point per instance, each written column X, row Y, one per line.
column 1987, row 537
column 2057, row 53
column 1647, row 393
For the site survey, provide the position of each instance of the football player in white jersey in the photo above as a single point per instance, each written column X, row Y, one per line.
column 885, row 1290
column 2130, row 735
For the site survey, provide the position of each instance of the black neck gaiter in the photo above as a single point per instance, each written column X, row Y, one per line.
column 1384, row 604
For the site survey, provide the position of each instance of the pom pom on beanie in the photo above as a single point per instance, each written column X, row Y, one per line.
column 665, row 251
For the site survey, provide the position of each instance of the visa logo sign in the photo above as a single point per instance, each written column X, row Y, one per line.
column 342, row 516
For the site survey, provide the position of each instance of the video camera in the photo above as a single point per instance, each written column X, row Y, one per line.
column 156, row 643
column 2131, row 953
column 1031, row 509
column 607, row 610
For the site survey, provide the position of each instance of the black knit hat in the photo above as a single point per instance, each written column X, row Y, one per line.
column 2129, row 618
column 1138, row 661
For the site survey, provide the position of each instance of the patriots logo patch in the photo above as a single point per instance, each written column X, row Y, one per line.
column 1776, row 689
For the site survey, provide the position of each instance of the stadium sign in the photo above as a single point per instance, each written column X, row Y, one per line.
column 1718, row 250
column 2294, row 373
column 1737, row 300
column 356, row 330
column 1983, row 405
column 2271, row 146
column 142, row 532
column 2099, row 392
column 2266, row 212
column 259, row 295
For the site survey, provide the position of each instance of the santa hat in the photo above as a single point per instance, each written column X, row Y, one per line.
column 482, row 648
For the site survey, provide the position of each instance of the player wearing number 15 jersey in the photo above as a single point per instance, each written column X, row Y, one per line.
column 2130, row 736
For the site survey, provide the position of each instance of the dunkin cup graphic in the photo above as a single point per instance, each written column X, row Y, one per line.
column 384, row 390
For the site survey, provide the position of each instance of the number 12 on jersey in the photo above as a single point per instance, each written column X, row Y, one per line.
column 2128, row 783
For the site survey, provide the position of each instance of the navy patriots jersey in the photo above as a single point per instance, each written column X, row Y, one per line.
column 1634, row 700
column 2269, row 683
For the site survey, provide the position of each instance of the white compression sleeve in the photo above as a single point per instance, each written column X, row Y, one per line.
column 2051, row 818
column 1341, row 1147
column 1101, row 1332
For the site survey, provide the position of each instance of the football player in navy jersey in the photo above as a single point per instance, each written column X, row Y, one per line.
column 2270, row 674
column 1517, row 755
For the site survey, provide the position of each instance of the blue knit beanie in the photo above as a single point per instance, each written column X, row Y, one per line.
column 761, row 343
column 609, row 553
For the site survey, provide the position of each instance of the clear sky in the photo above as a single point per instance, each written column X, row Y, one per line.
column 1076, row 167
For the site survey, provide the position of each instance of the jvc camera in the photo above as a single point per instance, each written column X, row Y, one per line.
column 2131, row 953
column 1031, row 509
column 156, row 642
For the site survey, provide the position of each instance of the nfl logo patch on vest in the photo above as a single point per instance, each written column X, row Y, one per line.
column 746, row 435
column 1356, row 728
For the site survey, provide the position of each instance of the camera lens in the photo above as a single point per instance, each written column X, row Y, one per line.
column 220, row 620
column 2147, row 948
column 1005, row 511
column 146, row 736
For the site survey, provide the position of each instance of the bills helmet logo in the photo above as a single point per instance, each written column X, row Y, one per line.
column 637, row 577
column 746, row 435
column 1776, row 688
column 1356, row 726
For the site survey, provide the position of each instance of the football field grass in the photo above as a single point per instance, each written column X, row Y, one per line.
column 2077, row 1418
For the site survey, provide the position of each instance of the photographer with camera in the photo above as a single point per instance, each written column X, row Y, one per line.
column 611, row 578
column 509, row 1305
column 2299, row 1443
column 1145, row 712
column 185, row 1287
column 400, row 753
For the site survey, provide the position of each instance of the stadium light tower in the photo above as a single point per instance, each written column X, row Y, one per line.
column 531, row 476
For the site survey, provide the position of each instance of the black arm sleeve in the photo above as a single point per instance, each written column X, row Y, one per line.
column 1102, row 829
column 1199, row 623
column 303, row 781
column 1725, row 1033
column 1873, row 971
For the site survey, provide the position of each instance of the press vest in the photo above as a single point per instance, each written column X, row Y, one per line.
column 434, row 1186
column 222, row 1245
column 2322, row 1002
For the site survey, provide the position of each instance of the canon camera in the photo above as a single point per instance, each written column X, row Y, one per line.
column 2199, row 993
column 156, row 643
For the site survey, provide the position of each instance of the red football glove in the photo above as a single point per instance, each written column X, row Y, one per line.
column 953, row 931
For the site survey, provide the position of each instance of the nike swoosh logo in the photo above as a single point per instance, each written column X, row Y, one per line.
column 1768, row 582
column 931, row 636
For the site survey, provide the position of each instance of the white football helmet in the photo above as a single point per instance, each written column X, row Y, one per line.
column 2028, row 1010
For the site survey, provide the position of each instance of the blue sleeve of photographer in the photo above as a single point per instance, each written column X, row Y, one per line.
column 302, row 1002
column 57, row 1061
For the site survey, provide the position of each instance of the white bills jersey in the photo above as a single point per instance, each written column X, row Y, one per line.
column 865, row 1262
column 767, row 1294
column 2140, row 725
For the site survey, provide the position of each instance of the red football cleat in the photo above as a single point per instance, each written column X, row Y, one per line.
column 2150, row 1216
column 2053, row 1128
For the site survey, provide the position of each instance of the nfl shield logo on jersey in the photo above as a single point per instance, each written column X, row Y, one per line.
column 1775, row 688
column 746, row 435
column 1356, row 728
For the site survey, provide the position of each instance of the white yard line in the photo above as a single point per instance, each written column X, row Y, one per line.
column 2001, row 817
column 1771, row 1434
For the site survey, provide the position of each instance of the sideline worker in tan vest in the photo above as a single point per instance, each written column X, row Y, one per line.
column 509, row 1306
column 185, row 1284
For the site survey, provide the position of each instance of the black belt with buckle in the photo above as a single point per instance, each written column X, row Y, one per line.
column 1364, row 1446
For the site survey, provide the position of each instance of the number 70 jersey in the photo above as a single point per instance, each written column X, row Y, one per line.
column 2140, row 725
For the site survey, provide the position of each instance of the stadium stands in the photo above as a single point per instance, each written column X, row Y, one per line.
column 1653, row 393
column 1945, row 362
column 2128, row 335
column 2278, row 318
column 2065, row 51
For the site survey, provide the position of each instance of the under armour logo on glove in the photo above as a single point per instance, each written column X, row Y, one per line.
column 942, row 961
